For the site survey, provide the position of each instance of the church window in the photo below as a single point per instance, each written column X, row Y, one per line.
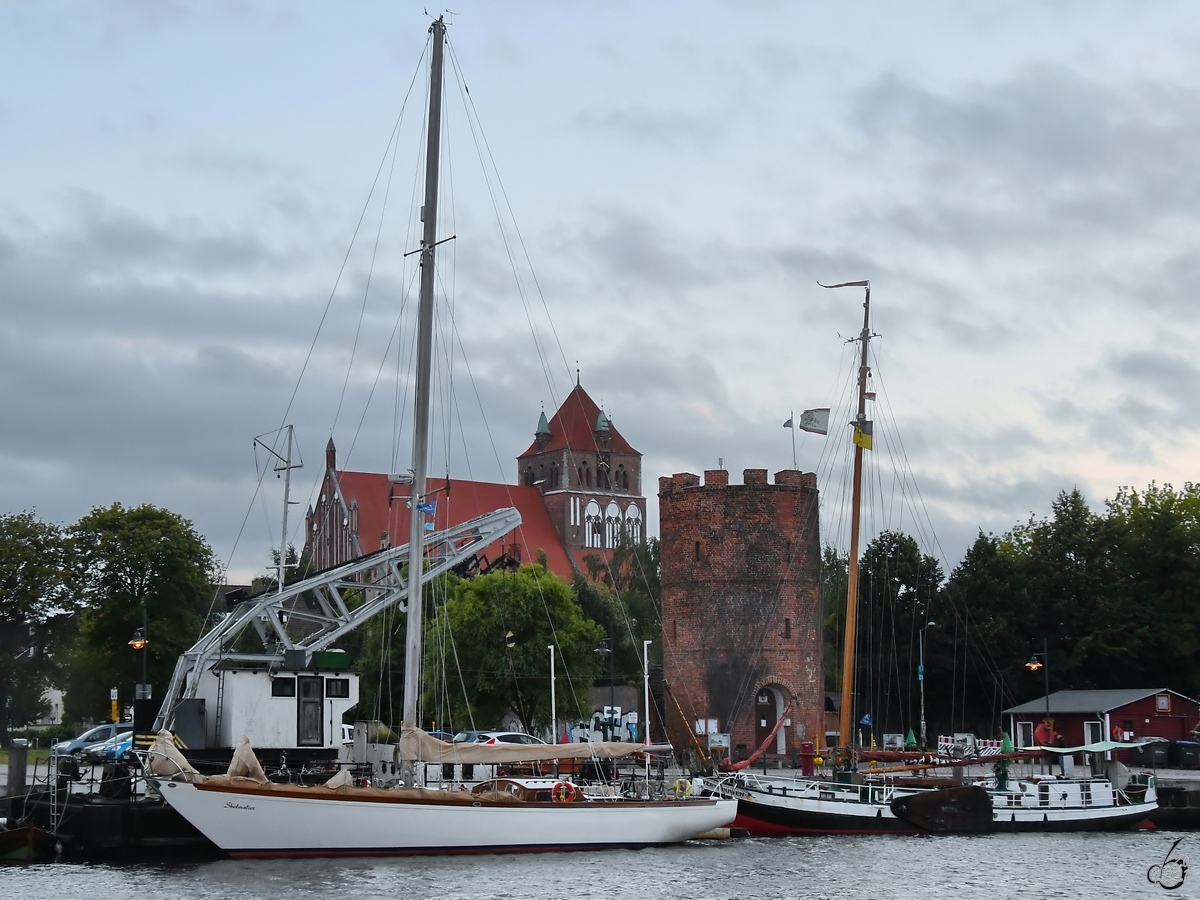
column 624, row 479
column 593, row 522
column 787, row 628
column 633, row 524
column 612, row 523
column 697, row 551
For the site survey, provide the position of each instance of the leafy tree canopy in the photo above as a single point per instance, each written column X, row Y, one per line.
column 539, row 610
column 36, row 601
column 134, row 559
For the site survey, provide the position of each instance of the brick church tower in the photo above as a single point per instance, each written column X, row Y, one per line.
column 741, row 607
column 589, row 475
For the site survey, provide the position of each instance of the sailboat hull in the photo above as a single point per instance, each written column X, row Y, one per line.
column 274, row 822
column 780, row 807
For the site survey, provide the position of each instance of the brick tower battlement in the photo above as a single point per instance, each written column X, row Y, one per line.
column 741, row 606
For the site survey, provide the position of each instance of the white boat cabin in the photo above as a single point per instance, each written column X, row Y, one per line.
column 299, row 704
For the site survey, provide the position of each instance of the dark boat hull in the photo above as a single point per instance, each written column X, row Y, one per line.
column 958, row 810
column 26, row 844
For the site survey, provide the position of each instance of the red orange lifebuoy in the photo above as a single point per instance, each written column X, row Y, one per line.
column 564, row 792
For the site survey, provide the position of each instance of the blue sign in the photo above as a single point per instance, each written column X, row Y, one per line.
column 429, row 526
column 430, row 507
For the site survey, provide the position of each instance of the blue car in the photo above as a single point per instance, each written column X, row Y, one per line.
column 118, row 747
column 90, row 738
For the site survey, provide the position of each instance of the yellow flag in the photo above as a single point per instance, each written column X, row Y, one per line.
column 863, row 431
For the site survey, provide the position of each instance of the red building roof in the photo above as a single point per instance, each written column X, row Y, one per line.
column 383, row 514
column 574, row 427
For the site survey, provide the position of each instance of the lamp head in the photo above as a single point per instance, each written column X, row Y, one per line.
column 139, row 640
column 1034, row 664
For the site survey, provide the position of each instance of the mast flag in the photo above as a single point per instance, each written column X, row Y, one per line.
column 815, row 420
column 788, row 424
column 864, row 430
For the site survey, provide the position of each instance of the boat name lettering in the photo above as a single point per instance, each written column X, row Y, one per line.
column 231, row 805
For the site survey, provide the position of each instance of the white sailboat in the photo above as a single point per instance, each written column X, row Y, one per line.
column 247, row 816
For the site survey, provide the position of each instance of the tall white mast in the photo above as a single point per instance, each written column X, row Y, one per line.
column 420, row 454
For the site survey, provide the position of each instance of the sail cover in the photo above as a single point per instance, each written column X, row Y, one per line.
column 416, row 745
column 1098, row 747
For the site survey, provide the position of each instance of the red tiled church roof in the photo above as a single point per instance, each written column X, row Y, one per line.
column 574, row 427
column 383, row 521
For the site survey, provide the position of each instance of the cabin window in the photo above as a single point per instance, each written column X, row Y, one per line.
column 1162, row 703
column 338, row 688
column 283, row 687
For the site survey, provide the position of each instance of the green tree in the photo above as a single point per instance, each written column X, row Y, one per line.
column 134, row 559
column 623, row 595
column 834, row 576
column 1156, row 555
column 896, row 587
column 36, row 602
column 538, row 609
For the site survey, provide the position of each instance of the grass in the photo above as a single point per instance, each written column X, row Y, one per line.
column 40, row 755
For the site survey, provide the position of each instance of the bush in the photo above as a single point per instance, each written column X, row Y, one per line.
column 44, row 737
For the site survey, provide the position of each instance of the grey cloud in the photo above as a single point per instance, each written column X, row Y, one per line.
column 1046, row 155
column 671, row 130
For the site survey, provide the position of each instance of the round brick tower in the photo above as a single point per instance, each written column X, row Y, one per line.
column 741, row 607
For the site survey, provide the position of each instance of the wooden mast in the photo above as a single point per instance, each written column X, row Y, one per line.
column 846, row 721
column 420, row 452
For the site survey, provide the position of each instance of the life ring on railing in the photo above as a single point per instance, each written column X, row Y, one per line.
column 564, row 792
column 683, row 788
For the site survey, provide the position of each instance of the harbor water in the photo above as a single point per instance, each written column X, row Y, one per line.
column 994, row 867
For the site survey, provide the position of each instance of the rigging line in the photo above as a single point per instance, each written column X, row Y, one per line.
column 516, row 227
column 496, row 455
column 366, row 205
column 394, row 146
column 476, row 127
column 935, row 542
column 224, row 569
column 411, row 227
column 379, row 373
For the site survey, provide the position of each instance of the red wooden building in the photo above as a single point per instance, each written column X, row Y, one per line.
column 1085, row 717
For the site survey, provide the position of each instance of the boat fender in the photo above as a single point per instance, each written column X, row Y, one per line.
column 564, row 792
column 683, row 788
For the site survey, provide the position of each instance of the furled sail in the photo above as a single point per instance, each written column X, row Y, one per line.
column 416, row 745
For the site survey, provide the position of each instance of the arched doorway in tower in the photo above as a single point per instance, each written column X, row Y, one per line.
column 768, row 707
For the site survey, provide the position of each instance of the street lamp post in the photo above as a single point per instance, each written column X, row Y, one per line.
column 921, row 680
column 1033, row 665
column 553, row 707
column 646, row 707
column 139, row 642
column 606, row 649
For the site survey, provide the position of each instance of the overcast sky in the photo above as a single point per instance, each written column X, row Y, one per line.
column 182, row 181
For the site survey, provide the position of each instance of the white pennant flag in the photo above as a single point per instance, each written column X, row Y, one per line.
column 815, row 420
